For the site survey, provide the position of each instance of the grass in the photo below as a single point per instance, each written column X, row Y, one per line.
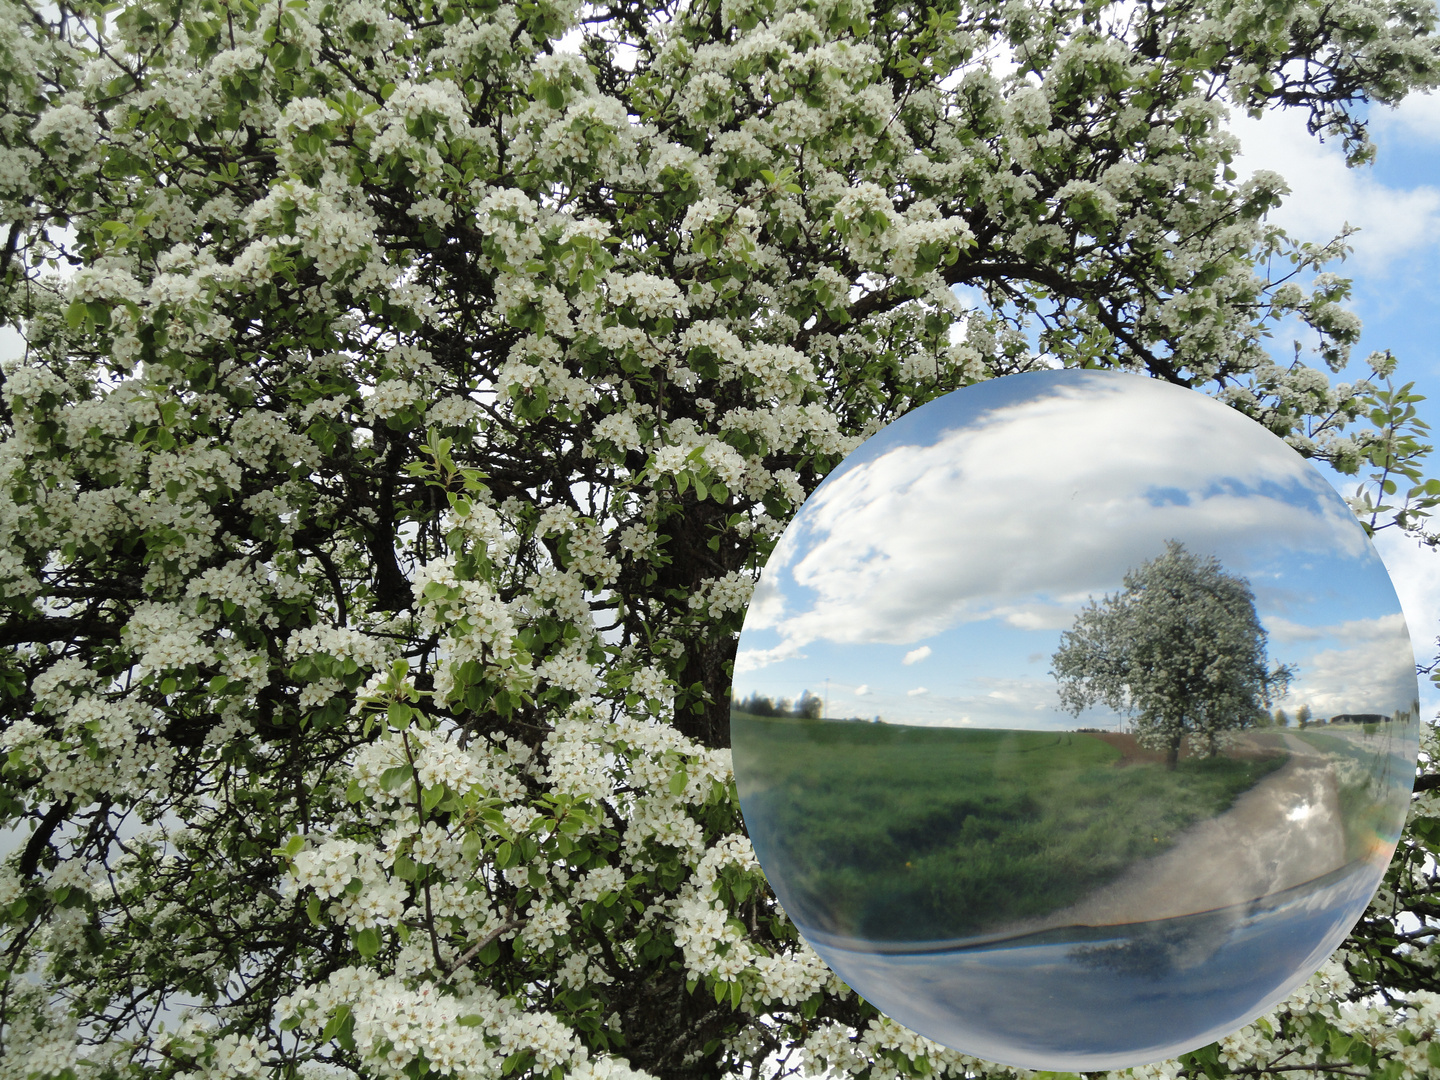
column 897, row 833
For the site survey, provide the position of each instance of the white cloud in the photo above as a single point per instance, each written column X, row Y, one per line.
column 1031, row 508
column 1417, row 117
column 1384, row 628
column 755, row 659
column 1282, row 629
column 1415, row 573
column 914, row 656
column 916, row 692
column 1376, row 676
column 1040, row 616
column 1325, row 195
column 862, row 690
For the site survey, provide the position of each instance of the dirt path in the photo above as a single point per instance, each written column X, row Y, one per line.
column 1284, row 831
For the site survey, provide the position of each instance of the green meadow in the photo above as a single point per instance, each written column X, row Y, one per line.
column 898, row 833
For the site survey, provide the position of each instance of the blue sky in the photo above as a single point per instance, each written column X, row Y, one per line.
column 930, row 577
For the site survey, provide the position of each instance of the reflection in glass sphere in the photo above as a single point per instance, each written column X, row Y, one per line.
column 1074, row 720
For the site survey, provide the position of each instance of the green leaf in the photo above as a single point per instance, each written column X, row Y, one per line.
column 396, row 776
column 368, row 942
column 678, row 779
column 472, row 845
column 312, row 909
column 336, row 1022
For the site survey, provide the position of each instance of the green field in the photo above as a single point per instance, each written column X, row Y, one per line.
column 897, row 833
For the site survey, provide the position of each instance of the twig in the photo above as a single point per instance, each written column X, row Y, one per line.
column 503, row 928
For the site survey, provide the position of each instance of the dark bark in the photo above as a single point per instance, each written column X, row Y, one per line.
column 40, row 838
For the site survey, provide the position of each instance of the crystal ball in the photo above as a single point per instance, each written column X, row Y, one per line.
column 1074, row 720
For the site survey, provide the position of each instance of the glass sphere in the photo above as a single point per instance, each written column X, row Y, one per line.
column 1074, row 720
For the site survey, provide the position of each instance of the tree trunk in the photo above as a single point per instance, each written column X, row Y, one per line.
column 1172, row 753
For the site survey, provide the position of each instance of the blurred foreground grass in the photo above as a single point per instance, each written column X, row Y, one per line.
column 899, row 833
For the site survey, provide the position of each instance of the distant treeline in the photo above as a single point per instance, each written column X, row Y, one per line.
column 809, row 707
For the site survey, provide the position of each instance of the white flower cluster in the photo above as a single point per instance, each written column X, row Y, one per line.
column 94, row 752
column 334, row 225
column 393, row 396
column 453, row 411
column 510, row 218
column 714, row 942
column 466, row 1035
column 652, row 684
column 535, row 363
column 168, row 637
column 909, row 240
column 622, row 428
column 58, row 686
column 561, row 592
column 721, row 459
column 646, row 295
column 341, row 642
column 570, row 671
column 261, row 436
column 720, row 595
column 353, row 877
column 438, row 759
column 70, row 124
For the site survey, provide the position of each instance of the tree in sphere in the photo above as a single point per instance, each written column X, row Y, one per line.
column 1179, row 648
column 412, row 390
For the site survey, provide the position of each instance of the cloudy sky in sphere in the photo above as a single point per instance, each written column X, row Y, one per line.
column 930, row 577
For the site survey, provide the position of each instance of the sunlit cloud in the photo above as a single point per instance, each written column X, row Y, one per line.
column 916, row 692
column 1325, row 195
column 1375, row 676
column 1417, row 117
column 1415, row 572
column 747, row 660
column 1386, row 628
column 862, row 690
column 914, row 656
column 1040, row 616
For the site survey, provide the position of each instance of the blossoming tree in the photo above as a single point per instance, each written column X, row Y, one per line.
column 411, row 390
column 1180, row 648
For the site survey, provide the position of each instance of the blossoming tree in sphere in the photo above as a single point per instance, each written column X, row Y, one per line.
column 410, row 392
column 1180, row 649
